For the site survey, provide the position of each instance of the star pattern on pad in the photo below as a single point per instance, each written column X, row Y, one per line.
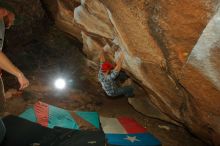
column 132, row 138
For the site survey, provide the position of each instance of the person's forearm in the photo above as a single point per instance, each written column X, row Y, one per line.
column 118, row 67
column 119, row 64
column 7, row 65
column 102, row 57
column 120, row 60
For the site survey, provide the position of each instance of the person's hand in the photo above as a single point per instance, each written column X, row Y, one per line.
column 23, row 81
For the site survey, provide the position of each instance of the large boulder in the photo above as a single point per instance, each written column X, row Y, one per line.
column 157, row 37
column 201, row 77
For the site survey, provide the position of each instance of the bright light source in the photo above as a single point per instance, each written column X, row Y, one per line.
column 60, row 83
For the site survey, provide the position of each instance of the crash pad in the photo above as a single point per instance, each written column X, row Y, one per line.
column 61, row 117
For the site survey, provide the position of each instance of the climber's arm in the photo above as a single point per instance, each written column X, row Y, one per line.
column 119, row 62
column 102, row 57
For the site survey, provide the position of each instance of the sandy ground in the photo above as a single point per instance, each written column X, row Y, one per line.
column 60, row 55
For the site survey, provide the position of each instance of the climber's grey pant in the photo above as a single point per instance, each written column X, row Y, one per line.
column 126, row 91
column 2, row 130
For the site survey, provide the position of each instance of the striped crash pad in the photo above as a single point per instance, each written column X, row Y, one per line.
column 125, row 131
column 51, row 116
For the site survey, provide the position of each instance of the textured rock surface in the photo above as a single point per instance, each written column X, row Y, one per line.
column 201, row 76
column 158, row 37
column 62, row 13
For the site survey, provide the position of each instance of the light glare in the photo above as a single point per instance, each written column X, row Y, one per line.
column 60, row 83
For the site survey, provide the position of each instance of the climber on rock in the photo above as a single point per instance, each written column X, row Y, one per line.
column 109, row 75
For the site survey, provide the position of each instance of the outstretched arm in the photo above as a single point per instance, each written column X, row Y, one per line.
column 102, row 57
column 7, row 65
column 119, row 62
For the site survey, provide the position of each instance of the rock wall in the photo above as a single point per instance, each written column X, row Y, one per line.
column 201, row 76
column 171, row 47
